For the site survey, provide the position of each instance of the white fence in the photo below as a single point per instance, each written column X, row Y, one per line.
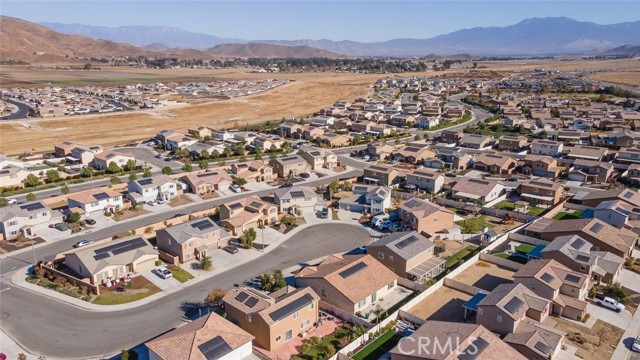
column 460, row 286
column 343, row 314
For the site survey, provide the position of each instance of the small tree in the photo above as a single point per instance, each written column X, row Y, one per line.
column 114, row 168
column 131, row 165
column 86, row 172
column 3, row 202
column 204, row 154
column 215, row 154
column 32, row 180
column 417, row 137
column 203, row 164
column 227, row 152
column 64, row 189
column 334, row 186
column 240, row 182
column 114, row 180
column 257, row 150
column 146, row 173
column 214, row 298
column 248, row 237
column 74, row 217
column 133, row 177
column 289, row 220
column 206, row 263
column 53, row 176
column 124, row 354
column 167, row 170
column 31, row 197
column 187, row 168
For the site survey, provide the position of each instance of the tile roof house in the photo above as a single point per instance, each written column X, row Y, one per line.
column 113, row 260
column 289, row 166
column 408, row 254
column 252, row 171
column 494, row 163
column 100, row 199
column 590, row 171
column 412, row 154
column 541, row 166
column 21, row 218
column 476, row 190
column 576, row 253
column 158, row 187
column 207, row 338
column 380, row 174
column 587, row 153
column 594, row 198
column 619, row 214
column 320, row 158
column 541, row 191
column 295, row 197
column 196, row 238
column 11, row 175
column 330, row 139
column 371, row 199
column 380, row 149
column 469, row 342
column 426, row 179
column 349, row 282
column 475, row 141
column 567, row 289
column 208, row 181
column 546, row 147
column 102, row 160
column 512, row 143
column 250, row 212
column 632, row 175
column 273, row 319
column 424, row 216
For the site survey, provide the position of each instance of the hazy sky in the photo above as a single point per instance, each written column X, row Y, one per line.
column 336, row 20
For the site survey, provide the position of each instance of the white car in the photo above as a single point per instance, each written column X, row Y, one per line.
column 384, row 224
column 152, row 203
column 235, row 188
column 636, row 344
column 164, row 273
column 12, row 201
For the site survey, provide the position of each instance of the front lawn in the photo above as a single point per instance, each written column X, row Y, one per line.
column 127, row 296
column 453, row 259
column 474, row 225
column 379, row 346
column 535, row 211
column 180, row 274
column 563, row 215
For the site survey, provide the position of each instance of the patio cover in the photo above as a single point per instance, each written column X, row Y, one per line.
column 472, row 304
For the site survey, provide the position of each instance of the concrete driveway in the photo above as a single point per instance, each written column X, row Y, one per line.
column 630, row 280
column 621, row 319
column 163, row 284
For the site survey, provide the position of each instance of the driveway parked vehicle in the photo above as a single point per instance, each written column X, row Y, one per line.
column 609, row 303
column 235, row 188
column 324, row 213
column 12, row 201
column 231, row 249
column 82, row 243
column 286, row 185
column 61, row 226
column 636, row 344
column 164, row 273
column 304, row 175
column 90, row 222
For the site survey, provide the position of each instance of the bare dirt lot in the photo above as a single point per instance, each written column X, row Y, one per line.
column 485, row 275
column 444, row 304
column 595, row 343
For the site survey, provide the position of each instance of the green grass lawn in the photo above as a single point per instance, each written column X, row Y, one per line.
column 502, row 255
column 568, row 215
column 473, row 225
column 506, row 205
column 379, row 346
column 535, row 211
column 180, row 274
column 115, row 298
column 453, row 259
column 334, row 214
column 525, row 248
column 315, row 351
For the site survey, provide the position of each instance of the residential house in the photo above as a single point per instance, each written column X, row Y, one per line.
column 475, row 141
column 426, row 179
column 322, row 121
column 494, row 163
column 361, row 126
column 546, row 147
column 476, row 190
column 352, row 283
column 454, row 160
column 288, row 130
column 380, row 174
column 102, row 160
column 371, row 199
column 200, row 132
column 309, row 132
column 16, row 219
column 320, row 158
column 195, row 150
column 628, row 156
column 576, row 253
column 273, row 319
column 193, row 239
column 330, row 139
column 101, row 199
column 408, row 254
column 209, row 337
column 84, row 154
column 541, row 191
column 632, row 175
column 451, row 136
column 594, row 198
column 295, row 197
column 413, row 154
column 590, row 171
column 587, row 153
column 208, row 181
column 618, row 213
column 13, row 176
column 512, row 143
column 173, row 140
column 424, row 216
column 289, row 166
column 250, row 212
column 268, row 142
column 402, row 120
column 380, row 149
column 253, row 171
column 64, row 148
column 158, row 187
column 112, row 261
column 541, row 166
column 565, row 288
column 468, row 341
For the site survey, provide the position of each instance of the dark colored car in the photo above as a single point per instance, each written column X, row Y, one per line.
column 286, row 185
column 324, row 213
column 61, row 226
column 90, row 222
column 231, row 249
column 304, row 175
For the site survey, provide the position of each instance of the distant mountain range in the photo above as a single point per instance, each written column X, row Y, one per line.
column 535, row 36
column 262, row 50
column 624, row 50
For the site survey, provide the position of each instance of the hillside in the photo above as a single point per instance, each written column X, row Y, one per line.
column 268, row 51
column 624, row 50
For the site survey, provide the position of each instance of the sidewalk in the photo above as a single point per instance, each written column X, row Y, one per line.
column 631, row 331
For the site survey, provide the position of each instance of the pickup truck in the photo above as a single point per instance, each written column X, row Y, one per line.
column 608, row 303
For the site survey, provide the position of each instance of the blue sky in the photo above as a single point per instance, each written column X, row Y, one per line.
column 366, row 21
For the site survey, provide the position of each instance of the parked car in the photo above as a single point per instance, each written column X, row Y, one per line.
column 82, row 243
column 365, row 158
column 61, row 226
column 152, row 203
column 419, row 167
column 394, row 162
column 396, row 226
column 384, row 224
column 164, row 273
column 231, row 249
column 378, row 219
column 90, row 222
column 324, row 213
column 304, row 175
column 286, row 185
column 608, row 302
column 373, row 158
column 12, row 201
column 636, row 344
column 235, row 188
column 158, row 156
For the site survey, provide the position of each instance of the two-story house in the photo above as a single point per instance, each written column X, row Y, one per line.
column 253, row 171
column 250, row 212
column 380, row 174
column 424, row 216
column 193, row 239
column 208, row 181
column 159, row 187
column 476, row 190
column 293, row 198
column 22, row 218
column 101, row 199
column 546, row 147
column 320, row 158
column 102, row 160
column 494, row 163
column 512, row 143
column 372, row 199
column 289, row 166
column 425, row 179
column 541, row 191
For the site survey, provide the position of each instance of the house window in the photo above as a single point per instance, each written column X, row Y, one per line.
column 295, row 315
column 278, row 338
column 168, row 241
column 499, row 318
column 288, row 335
column 381, row 255
column 304, row 324
column 435, row 219
column 583, row 268
column 391, row 285
column 535, row 190
column 480, row 311
column 44, row 214
column 362, row 303
column 311, row 306
column 190, row 244
column 390, row 258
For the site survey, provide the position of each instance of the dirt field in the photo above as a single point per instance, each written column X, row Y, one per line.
column 444, row 304
column 485, row 275
column 596, row 343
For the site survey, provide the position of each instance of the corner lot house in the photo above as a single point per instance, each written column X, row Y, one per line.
column 250, row 212
column 194, row 239
column 95, row 200
column 408, row 254
column 320, row 158
column 352, row 283
column 424, row 216
column 209, row 337
column 21, row 218
column 294, row 197
column 101, row 161
column 371, row 199
column 112, row 260
column 273, row 319
column 11, row 175
column 207, row 182
column 289, row 166
column 159, row 187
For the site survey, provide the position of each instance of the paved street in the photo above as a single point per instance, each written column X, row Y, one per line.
column 22, row 311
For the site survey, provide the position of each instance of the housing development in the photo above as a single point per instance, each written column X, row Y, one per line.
column 451, row 212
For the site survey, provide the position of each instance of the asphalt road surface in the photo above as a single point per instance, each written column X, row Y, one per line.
column 22, row 113
column 57, row 329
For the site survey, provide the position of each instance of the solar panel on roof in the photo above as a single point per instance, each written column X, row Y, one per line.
column 32, row 207
column 145, row 181
column 290, row 158
column 547, row 277
column 353, row 270
column 577, row 243
column 236, row 206
column 572, row 278
column 251, row 302
column 514, row 305
column 297, row 194
column 628, row 195
column 122, row 247
column 406, row 242
column 101, row 196
column 315, row 153
column 255, row 204
column 101, row 256
column 201, row 225
column 596, row 228
column 291, row 307
column 542, row 347
column 474, row 349
column 242, row 296
column 215, row 348
column 582, row 258
column 412, row 203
